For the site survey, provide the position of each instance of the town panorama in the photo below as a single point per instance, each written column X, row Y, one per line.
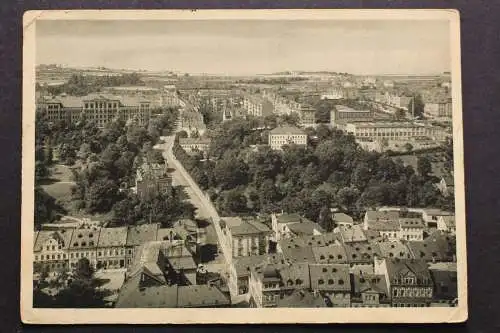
column 290, row 189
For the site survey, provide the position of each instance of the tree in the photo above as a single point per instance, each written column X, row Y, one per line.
column 83, row 269
column 325, row 219
column 408, row 147
column 235, row 201
column 424, row 166
column 416, row 106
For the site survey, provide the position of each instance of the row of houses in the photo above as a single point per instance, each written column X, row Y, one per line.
column 105, row 248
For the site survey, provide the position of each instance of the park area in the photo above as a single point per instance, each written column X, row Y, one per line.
column 59, row 184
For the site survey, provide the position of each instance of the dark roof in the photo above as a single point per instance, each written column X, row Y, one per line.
column 342, row 218
column 353, row 234
column 369, row 283
column 362, row 252
column 84, row 238
column 299, row 254
column 401, row 267
column 333, row 277
column 395, row 249
column 438, row 246
column 330, row 254
column 302, row 299
column 201, row 296
column 295, row 275
column 411, row 222
column 445, row 283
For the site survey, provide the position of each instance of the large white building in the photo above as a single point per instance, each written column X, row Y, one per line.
column 341, row 115
column 100, row 108
column 285, row 135
column 387, row 130
column 257, row 106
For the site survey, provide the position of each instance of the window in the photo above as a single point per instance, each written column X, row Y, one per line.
column 320, row 281
column 330, row 281
column 53, row 247
column 341, row 282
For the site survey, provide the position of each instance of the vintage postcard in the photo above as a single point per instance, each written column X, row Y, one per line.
column 237, row 166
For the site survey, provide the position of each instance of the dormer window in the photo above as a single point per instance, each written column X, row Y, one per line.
column 324, row 270
column 321, row 281
column 341, row 282
column 330, row 281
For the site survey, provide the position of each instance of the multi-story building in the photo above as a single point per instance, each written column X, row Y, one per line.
column 369, row 291
column 333, row 282
column 333, row 93
column 246, row 237
column 257, row 106
column 307, row 115
column 111, row 248
column 340, row 115
column 286, row 135
column 385, row 222
column 411, row 228
column 84, row 245
column 194, row 144
column 408, row 281
column 447, row 224
column 437, row 105
column 99, row 108
column 138, row 235
column 282, row 225
column 386, row 130
column 51, row 250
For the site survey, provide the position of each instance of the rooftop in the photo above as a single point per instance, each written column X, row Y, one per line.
column 110, row 237
column 85, row 238
column 41, row 237
column 302, row 299
column 333, row 277
column 287, row 130
column 332, row 254
column 140, row 234
column 395, row 249
column 369, row 283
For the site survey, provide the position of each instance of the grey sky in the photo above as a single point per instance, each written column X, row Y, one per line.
column 249, row 47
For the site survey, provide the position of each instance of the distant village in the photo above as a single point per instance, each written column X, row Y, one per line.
column 232, row 254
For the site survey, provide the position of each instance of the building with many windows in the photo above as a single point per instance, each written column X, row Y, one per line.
column 286, row 135
column 246, row 237
column 84, row 245
column 111, row 251
column 99, row 108
column 408, row 281
column 257, row 106
column 386, row 130
column 51, row 250
column 340, row 115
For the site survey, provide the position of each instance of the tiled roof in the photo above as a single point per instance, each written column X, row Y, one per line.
column 201, row 296
column 84, row 238
column 295, row 276
column 375, row 215
column 449, row 220
column 299, row 254
column 398, row 267
column 305, row 228
column 411, row 222
column 64, row 236
column 342, row 218
column 287, row 130
column 140, row 234
column 364, row 283
column 394, row 249
column 361, row 252
column 247, row 227
column 353, row 234
column 109, row 237
column 244, row 264
column 333, row 277
column 302, row 299
column 132, row 296
column 332, row 254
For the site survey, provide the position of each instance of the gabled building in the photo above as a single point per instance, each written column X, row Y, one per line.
column 291, row 225
column 447, row 223
column 51, row 250
column 385, row 222
column 408, row 281
column 333, row 282
column 446, row 186
column 84, row 245
column 111, row 248
column 246, row 237
column 369, row 291
column 331, row 254
column 138, row 235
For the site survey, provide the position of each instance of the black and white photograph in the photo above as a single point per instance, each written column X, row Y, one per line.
column 284, row 166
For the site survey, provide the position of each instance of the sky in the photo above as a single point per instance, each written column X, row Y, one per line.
column 247, row 47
